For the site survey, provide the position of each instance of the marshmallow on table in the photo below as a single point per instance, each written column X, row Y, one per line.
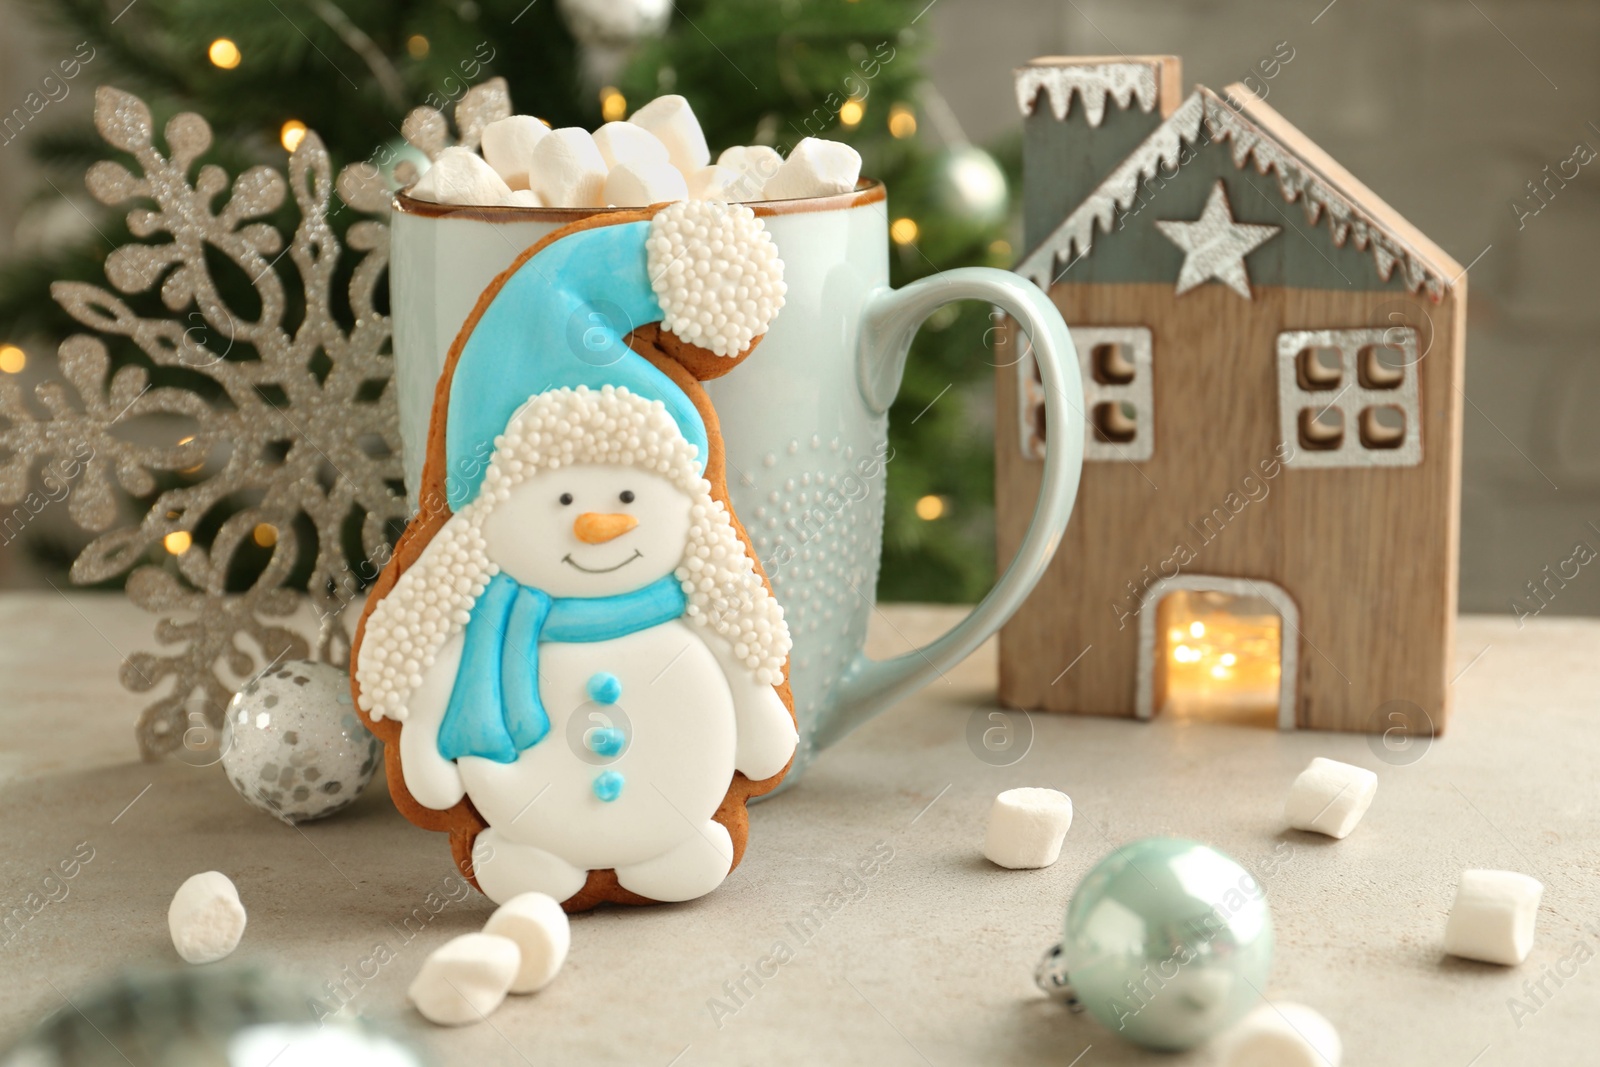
column 508, row 147
column 540, row 929
column 815, row 168
column 1282, row 1035
column 1026, row 827
column 205, row 918
column 754, row 163
column 460, row 176
column 1493, row 917
column 624, row 142
column 1330, row 797
column 465, row 979
column 640, row 184
column 672, row 122
column 568, row 170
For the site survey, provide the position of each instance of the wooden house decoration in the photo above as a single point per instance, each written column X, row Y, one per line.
column 1267, row 522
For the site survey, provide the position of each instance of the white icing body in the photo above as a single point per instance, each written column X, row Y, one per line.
column 686, row 736
column 692, row 711
column 676, row 766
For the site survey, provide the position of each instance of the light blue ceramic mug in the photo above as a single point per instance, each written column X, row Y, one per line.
column 804, row 421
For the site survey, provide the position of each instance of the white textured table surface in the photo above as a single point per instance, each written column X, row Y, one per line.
column 929, row 960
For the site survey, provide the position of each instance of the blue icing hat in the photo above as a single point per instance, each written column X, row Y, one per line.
column 558, row 321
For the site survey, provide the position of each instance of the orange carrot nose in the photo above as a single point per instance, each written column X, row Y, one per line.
column 594, row 528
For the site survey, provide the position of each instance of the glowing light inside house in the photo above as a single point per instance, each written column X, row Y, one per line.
column 1223, row 653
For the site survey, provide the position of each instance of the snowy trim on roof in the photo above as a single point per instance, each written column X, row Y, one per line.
column 1074, row 237
column 1094, row 83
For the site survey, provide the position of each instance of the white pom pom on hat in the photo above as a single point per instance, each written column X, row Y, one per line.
column 716, row 274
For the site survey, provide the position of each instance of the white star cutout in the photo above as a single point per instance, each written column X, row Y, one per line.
column 1214, row 245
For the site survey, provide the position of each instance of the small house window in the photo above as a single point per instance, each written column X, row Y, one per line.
column 1349, row 398
column 1115, row 364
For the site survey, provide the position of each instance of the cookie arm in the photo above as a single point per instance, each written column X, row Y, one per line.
column 434, row 781
column 766, row 734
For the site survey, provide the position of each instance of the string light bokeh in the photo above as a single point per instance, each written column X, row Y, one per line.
column 1223, row 654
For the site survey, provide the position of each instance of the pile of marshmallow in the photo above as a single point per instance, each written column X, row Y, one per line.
column 1492, row 919
column 658, row 155
column 520, row 950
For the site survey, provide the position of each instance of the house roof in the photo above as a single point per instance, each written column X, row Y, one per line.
column 1255, row 133
column 1094, row 79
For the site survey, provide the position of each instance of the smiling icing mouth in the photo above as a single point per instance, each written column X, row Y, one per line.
column 567, row 559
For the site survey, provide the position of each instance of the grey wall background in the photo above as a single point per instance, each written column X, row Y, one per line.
column 1447, row 108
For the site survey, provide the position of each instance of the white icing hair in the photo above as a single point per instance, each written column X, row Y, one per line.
column 433, row 600
column 716, row 274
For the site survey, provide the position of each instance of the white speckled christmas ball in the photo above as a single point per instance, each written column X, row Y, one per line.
column 292, row 745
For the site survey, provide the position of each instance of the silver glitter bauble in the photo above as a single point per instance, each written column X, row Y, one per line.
column 292, row 744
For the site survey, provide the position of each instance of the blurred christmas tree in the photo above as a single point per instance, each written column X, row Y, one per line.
column 756, row 71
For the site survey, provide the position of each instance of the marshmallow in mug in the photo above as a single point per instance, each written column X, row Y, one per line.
column 623, row 142
column 643, row 184
column 508, row 147
column 460, row 176
column 568, row 169
column 672, row 121
column 754, row 165
column 658, row 155
column 815, row 168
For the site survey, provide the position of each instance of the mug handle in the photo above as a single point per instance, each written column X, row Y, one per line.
column 890, row 320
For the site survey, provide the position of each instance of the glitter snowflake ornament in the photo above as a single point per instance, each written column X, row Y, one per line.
column 427, row 130
column 295, row 449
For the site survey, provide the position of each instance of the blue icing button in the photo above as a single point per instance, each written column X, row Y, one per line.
column 605, row 688
column 608, row 785
column 606, row 740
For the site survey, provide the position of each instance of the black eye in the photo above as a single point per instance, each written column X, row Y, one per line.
column 566, row 498
column 627, row 496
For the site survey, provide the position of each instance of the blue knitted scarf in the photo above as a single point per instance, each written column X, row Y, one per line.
column 494, row 710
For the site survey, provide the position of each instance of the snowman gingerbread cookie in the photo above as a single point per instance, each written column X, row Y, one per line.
column 574, row 659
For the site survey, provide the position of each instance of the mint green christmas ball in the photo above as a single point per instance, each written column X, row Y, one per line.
column 1167, row 942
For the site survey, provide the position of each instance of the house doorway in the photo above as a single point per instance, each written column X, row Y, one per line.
column 1218, row 650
